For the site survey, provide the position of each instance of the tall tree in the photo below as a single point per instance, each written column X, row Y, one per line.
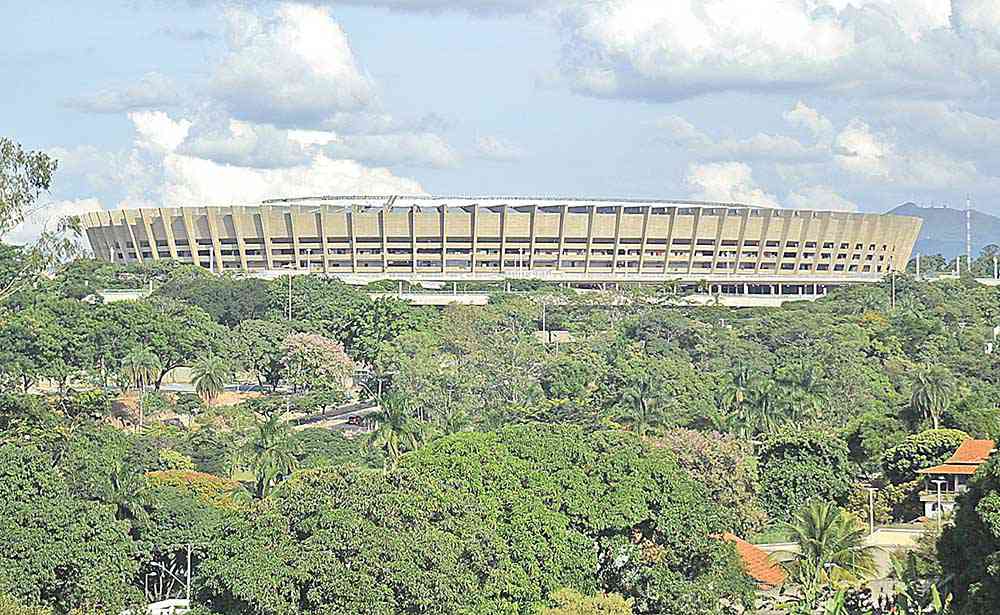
column 396, row 430
column 210, row 375
column 24, row 176
column 269, row 453
column 933, row 387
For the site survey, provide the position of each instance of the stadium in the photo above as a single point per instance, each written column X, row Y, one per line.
column 425, row 238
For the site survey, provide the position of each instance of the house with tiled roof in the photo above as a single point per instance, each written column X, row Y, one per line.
column 942, row 483
column 757, row 563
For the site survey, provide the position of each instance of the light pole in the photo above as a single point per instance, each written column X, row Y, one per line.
column 871, row 510
column 289, row 313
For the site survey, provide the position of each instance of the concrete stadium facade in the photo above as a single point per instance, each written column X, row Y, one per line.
column 466, row 238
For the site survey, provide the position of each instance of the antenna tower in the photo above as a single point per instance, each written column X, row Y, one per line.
column 968, row 232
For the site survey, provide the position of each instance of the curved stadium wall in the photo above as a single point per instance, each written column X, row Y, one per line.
column 495, row 237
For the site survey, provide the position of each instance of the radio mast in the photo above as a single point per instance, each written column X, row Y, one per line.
column 968, row 232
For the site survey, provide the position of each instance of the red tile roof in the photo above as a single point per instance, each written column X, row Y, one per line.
column 965, row 460
column 951, row 468
column 757, row 563
column 973, row 451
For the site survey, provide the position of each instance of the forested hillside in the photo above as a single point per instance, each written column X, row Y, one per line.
column 500, row 471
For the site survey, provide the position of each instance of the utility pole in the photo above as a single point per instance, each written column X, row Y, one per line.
column 188, row 589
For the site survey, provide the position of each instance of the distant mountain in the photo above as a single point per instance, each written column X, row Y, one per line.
column 943, row 231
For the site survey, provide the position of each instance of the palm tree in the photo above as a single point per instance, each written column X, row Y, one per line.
column 126, row 491
column 804, row 397
column 210, row 375
column 269, row 454
column 832, row 548
column 762, row 411
column 933, row 386
column 140, row 368
column 396, row 430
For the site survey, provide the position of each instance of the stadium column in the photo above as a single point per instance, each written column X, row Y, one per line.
column 720, row 228
column 475, row 238
column 786, row 223
column 562, row 235
column 803, row 237
column 324, row 241
column 744, row 221
column 352, row 236
column 645, row 231
column 694, row 240
column 150, row 238
column 670, row 239
column 874, row 228
column 413, row 238
column 503, row 236
column 168, row 230
column 444, row 238
column 241, row 243
column 192, row 239
column 762, row 240
column 213, row 233
column 265, row 229
column 590, row 237
column 385, row 242
column 853, row 238
column 531, row 237
column 292, row 212
column 618, row 235
column 131, row 235
column 824, row 233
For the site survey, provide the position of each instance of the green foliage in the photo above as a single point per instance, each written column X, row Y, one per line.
column 918, row 451
column 727, row 468
column 323, row 447
column 970, row 549
column 57, row 549
column 259, row 349
column 269, row 454
column 482, row 523
column 832, row 547
column 799, row 466
column 227, row 299
column 210, row 375
column 173, row 460
column 24, row 175
column 571, row 602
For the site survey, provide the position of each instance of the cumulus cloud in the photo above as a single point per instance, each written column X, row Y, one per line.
column 804, row 116
column 245, row 144
column 676, row 50
column 45, row 218
column 678, row 132
column 489, row 8
column 190, row 180
column 728, row 182
column 944, row 125
column 294, row 68
column 156, row 131
column 153, row 90
column 820, row 197
column 498, row 149
column 196, row 181
column 874, row 156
